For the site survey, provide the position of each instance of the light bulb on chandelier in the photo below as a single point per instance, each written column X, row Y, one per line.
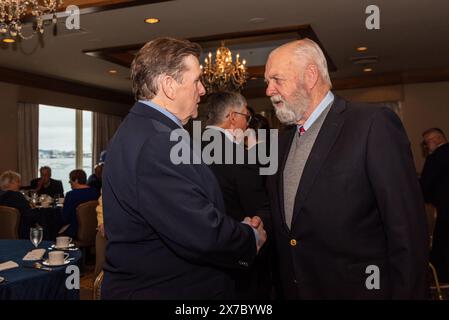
column 224, row 74
column 12, row 12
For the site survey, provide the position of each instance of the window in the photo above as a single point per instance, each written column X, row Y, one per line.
column 65, row 141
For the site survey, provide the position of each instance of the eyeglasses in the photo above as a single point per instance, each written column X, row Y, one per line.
column 248, row 116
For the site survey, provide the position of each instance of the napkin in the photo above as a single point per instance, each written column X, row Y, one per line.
column 8, row 265
column 35, row 254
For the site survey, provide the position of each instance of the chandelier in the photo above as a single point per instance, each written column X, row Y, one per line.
column 224, row 75
column 13, row 11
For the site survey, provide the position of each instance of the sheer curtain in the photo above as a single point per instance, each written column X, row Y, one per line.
column 28, row 140
column 104, row 127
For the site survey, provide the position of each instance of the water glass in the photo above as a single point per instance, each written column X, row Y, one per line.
column 36, row 235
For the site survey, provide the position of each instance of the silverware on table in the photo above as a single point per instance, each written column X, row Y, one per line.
column 39, row 266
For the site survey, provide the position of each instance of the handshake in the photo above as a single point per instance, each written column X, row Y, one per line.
column 257, row 224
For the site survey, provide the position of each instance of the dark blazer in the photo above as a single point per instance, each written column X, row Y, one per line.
column 358, row 204
column 435, row 186
column 244, row 189
column 245, row 194
column 54, row 188
column 435, row 176
column 168, row 235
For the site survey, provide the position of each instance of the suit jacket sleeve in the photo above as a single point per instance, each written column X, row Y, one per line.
column 252, row 191
column 176, row 202
column 392, row 176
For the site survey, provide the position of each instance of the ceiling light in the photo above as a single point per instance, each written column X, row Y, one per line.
column 367, row 69
column 362, row 49
column 152, row 20
column 8, row 40
column 112, row 71
column 13, row 12
column 224, row 74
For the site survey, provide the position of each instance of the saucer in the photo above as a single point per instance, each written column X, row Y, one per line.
column 46, row 263
column 62, row 248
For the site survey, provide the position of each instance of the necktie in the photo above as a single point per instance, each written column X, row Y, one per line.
column 301, row 130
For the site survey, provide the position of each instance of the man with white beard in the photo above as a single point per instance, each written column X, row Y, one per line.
column 347, row 212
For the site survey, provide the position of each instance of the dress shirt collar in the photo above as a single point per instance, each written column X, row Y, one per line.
column 162, row 110
column 327, row 100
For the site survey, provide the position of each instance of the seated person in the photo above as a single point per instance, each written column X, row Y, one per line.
column 80, row 193
column 11, row 197
column 46, row 185
column 94, row 180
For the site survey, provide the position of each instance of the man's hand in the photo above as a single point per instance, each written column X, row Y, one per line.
column 257, row 224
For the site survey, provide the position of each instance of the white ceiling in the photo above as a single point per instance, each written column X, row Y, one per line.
column 413, row 35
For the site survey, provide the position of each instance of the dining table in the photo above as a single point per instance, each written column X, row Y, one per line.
column 26, row 282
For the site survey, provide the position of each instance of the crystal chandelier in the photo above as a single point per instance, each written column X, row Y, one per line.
column 224, row 75
column 12, row 11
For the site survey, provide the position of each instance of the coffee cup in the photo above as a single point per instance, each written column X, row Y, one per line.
column 63, row 242
column 57, row 257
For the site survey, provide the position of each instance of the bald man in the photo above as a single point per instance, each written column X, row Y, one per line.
column 348, row 215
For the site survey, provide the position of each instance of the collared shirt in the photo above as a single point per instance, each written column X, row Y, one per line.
column 327, row 100
column 226, row 132
column 164, row 111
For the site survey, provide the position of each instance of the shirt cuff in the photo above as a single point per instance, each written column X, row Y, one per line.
column 256, row 234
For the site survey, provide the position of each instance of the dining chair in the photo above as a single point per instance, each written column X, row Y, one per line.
column 87, row 226
column 436, row 286
column 97, row 286
column 9, row 223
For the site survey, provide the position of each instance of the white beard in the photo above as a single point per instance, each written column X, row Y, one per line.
column 292, row 112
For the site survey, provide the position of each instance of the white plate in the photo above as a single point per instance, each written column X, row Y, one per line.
column 45, row 263
column 62, row 248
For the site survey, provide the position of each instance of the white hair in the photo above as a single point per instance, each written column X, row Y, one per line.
column 311, row 52
column 7, row 177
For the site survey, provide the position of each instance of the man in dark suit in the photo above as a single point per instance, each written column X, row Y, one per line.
column 168, row 235
column 348, row 216
column 46, row 185
column 244, row 189
column 435, row 186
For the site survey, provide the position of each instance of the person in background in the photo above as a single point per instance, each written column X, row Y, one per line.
column 11, row 197
column 100, row 239
column 46, row 185
column 95, row 179
column 80, row 193
column 243, row 188
column 435, row 186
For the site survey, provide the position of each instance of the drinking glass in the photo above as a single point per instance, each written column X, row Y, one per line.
column 36, row 235
column 56, row 199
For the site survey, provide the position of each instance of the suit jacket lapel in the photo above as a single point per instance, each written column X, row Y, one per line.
column 325, row 140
